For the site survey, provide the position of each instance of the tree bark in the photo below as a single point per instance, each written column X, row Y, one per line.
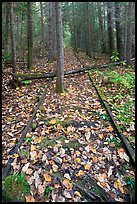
column 60, row 49
column 6, row 47
column 101, row 31
column 110, row 28
column 120, row 47
column 30, row 35
column 50, row 33
column 12, row 37
column 42, row 27
column 129, row 33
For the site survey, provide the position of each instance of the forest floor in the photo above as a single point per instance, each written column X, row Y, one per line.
column 71, row 153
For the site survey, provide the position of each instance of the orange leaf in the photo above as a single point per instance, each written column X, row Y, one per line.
column 51, row 162
column 87, row 166
column 47, row 177
column 95, row 159
column 37, row 140
column 30, row 198
column 93, row 149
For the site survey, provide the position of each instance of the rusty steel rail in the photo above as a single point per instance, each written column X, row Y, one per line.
column 26, row 130
column 127, row 146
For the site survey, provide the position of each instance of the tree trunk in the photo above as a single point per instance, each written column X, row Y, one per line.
column 101, row 31
column 54, row 40
column 60, row 49
column 110, row 28
column 13, row 44
column 120, row 47
column 6, row 48
column 30, row 37
column 50, row 33
column 129, row 33
column 42, row 28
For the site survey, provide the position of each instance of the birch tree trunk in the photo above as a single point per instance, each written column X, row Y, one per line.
column 60, row 49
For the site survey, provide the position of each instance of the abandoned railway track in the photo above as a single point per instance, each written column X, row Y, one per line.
column 76, row 124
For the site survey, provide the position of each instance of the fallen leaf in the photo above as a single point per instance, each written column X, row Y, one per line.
column 110, row 128
column 110, row 171
column 32, row 148
column 93, row 149
column 47, row 177
column 117, row 185
column 80, row 173
column 67, row 184
column 30, row 198
column 67, row 194
column 15, row 156
column 29, row 171
column 77, row 153
column 87, row 166
column 77, row 193
column 67, row 176
column 77, row 160
column 101, row 136
column 95, row 159
column 41, row 189
column 52, row 122
column 25, row 167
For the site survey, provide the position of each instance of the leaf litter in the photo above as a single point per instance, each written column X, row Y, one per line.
column 61, row 148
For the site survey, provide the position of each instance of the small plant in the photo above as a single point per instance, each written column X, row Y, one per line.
column 47, row 191
column 27, row 82
column 131, row 182
column 115, row 56
column 15, row 188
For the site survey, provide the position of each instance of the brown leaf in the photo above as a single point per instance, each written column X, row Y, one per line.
column 87, row 166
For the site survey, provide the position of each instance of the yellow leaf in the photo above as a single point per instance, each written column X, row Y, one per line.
column 101, row 136
column 52, row 122
column 110, row 128
column 77, row 193
column 77, row 160
column 119, row 185
column 67, row 184
column 47, row 177
column 80, row 173
column 47, row 131
column 77, row 153
column 15, row 156
column 30, row 198
column 32, row 148
column 87, row 166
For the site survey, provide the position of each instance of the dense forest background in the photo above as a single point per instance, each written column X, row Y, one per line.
column 93, row 27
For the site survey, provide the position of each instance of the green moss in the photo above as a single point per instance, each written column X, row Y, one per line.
column 15, row 188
